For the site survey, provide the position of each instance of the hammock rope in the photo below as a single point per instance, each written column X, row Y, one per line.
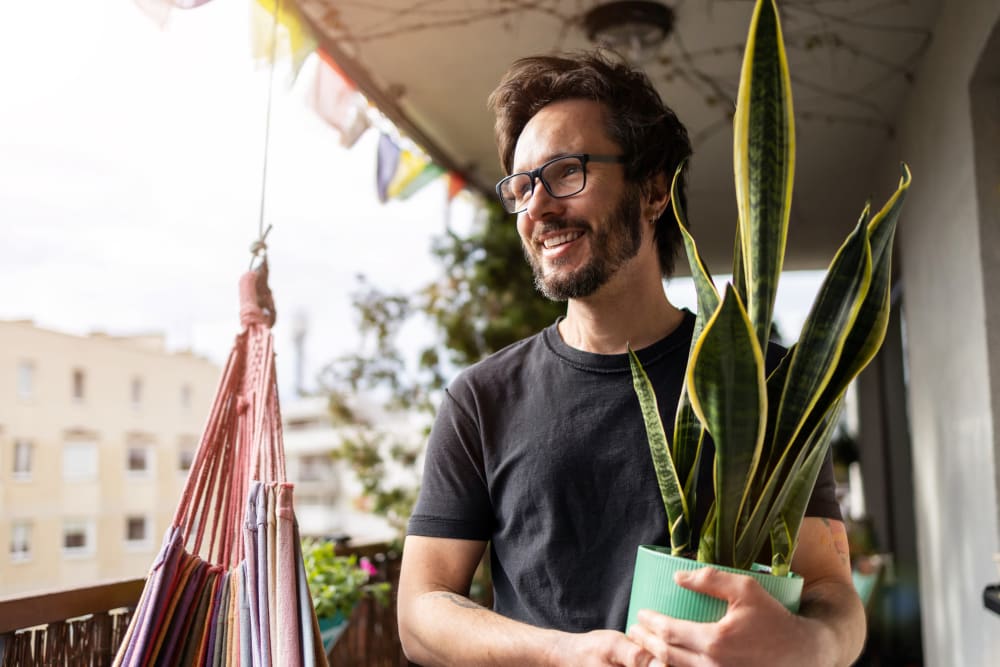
column 228, row 587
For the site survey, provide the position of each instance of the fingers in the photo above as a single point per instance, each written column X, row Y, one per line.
column 662, row 653
column 670, row 641
column 718, row 584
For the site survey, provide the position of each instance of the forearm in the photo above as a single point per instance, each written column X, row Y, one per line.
column 439, row 628
column 840, row 619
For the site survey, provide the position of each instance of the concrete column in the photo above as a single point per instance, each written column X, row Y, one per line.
column 948, row 256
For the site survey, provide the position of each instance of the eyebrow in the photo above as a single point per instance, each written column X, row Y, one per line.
column 547, row 158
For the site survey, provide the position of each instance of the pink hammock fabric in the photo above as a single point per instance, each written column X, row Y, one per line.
column 228, row 587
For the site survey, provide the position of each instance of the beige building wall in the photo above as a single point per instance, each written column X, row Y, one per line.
column 108, row 422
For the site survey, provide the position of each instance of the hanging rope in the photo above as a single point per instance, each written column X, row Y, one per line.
column 259, row 245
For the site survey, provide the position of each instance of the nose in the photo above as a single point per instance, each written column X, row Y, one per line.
column 542, row 205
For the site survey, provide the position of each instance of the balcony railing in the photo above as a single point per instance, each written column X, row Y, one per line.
column 72, row 628
column 83, row 627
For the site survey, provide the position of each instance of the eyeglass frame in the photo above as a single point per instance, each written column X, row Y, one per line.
column 536, row 175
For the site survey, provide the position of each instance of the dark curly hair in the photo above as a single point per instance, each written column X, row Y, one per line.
column 653, row 139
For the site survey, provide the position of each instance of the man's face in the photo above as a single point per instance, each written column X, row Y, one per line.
column 576, row 244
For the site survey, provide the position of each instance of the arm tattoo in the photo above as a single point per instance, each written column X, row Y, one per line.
column 459, row 601
column 839, row 541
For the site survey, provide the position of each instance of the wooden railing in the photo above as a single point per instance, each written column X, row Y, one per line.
column 83, row 627
column 372, row 636
column 76, row 628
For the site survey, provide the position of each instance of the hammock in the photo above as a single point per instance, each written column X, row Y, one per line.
column 228, row 587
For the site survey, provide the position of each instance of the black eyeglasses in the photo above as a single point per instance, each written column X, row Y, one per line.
column 563, row 176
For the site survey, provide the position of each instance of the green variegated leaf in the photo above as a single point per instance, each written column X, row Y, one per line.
column 773, row 503
column 688, row 431
column 759, row 494
column 671, row 486
column 798, row 490
column 708, row 296
column 739, row 270
column 764, row 163
column 728, row 393
column 830, row 320
column 706, row 545
column 867, row 332
column 781, row 541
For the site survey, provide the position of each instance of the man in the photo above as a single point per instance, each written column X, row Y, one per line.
column 540, row 449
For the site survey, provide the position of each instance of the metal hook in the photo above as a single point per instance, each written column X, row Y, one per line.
column 259, row 248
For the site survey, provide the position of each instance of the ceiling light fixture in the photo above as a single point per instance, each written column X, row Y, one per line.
column 633, row 28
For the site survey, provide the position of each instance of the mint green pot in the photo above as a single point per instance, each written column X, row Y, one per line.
column 653, row 587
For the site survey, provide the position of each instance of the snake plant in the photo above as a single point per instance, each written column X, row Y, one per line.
column 771, row 430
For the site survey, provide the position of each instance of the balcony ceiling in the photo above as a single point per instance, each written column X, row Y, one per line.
column 430, row 65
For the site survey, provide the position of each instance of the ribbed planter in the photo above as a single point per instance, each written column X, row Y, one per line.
column 653, row 587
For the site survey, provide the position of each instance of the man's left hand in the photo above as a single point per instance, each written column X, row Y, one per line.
column 756, row 630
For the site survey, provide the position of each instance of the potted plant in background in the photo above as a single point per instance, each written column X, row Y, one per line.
column 337, row 584
column 771, row 430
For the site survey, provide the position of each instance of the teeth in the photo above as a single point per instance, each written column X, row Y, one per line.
column 562, row 238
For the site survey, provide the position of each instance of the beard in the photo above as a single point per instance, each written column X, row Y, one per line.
column 616, row 241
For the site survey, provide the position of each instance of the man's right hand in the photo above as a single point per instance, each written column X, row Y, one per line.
column 598, row 648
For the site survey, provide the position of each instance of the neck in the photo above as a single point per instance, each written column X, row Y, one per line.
column 624, row 312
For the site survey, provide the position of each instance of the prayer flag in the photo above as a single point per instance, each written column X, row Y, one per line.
column 293, row 35
column 336, row 100
column 388, row 161
column 455, row 184
column 409, row 172
column 407, row 189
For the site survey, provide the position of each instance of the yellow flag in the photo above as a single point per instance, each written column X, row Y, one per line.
column 294, row 37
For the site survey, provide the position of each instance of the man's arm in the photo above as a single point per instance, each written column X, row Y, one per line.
column 756, row 630
column 440, row 625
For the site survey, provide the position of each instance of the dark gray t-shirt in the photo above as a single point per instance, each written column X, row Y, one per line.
column 541, row 449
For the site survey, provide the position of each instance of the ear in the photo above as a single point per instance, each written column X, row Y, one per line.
column 656, row 197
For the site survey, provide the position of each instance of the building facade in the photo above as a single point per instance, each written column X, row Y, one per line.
column 96, row 436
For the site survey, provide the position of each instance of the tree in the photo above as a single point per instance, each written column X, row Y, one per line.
column 484, row 300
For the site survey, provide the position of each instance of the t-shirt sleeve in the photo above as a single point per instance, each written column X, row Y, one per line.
column 454, row 500
column 823, row 502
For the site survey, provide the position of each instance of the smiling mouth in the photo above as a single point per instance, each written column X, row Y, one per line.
column 556, row 241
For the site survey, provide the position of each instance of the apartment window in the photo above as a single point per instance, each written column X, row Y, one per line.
column 20, row 541
column 185, row 458
column 137, row 460
column 136, row 529
column 186, row 396
column 79, row 384
column 25, row 379
column 78, row 537
column 315, row 467
column 136, row 391
column 187, row 447
column 23, row 453
column 80, row 460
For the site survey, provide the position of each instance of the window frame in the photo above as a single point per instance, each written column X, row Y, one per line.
column 84, row 526
column 17, row 474
column 25, row 555
column 25, row 379
column 85, row 475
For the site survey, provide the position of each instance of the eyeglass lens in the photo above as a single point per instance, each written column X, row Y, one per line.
column 562, row 177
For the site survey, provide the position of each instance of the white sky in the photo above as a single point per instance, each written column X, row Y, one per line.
column 130, row 171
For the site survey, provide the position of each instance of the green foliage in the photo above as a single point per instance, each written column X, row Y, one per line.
column 338, row 583
column 483, row 301
column 771, row 434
